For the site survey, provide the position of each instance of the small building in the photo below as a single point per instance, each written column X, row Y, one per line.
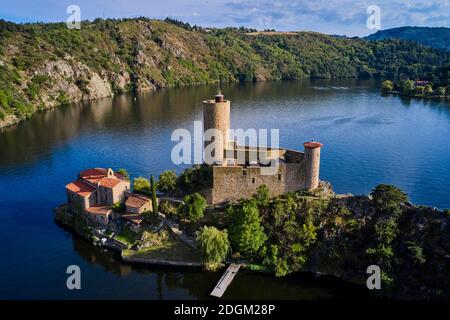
column 95, row 191
column 80, row 195
column 99, row 214
column 421, row 83
column 134, row 221
column 138, row 204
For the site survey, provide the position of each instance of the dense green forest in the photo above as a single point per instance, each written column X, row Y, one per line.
column 429, row 36
column 45, row 65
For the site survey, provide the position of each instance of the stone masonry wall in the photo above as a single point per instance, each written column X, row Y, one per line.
column 233, row 183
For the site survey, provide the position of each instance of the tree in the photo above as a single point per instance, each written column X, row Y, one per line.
column 262, row 195
column 124, row 172
column 440, row 91
column 387, row 86
column 386, row 196
column 428, row 90
column 194, row 206
column 167, row 181
column 142, row 185
column 407, row 86
column 447, row 90
column 214, row 245
column 154, row 198
column 419, row 89
column 246, row 232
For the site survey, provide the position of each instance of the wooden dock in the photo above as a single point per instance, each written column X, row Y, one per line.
column 225, row 280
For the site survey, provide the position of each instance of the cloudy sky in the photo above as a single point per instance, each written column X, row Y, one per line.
column 327, row 16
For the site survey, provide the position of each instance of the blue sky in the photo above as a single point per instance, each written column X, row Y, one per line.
column 327, row 16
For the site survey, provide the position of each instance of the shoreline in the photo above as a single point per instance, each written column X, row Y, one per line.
column 418, row 96
column 11, row 119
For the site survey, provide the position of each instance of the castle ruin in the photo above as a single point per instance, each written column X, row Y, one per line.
column 233, row 179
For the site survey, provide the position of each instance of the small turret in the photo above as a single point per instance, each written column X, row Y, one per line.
column 312, row 164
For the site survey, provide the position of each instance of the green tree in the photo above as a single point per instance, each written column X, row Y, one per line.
column 142, row 185
column 440, row 91
column 419, row 89
column 447, row 90
column 387, row 86
column 407, row 86
column 124, row 172
column 167, row 182
column 246, row 232
column 428, row 90
column 387, row 196
column 262, row 195
column 154, row 198
column 194, row 206
column 214, row 245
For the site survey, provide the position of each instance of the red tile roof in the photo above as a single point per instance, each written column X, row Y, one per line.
column 81, row 188
column 109, row 182
column 95, row 174
column 312, row 145
column 136, row 201
column 99, row 209
column 100, row 175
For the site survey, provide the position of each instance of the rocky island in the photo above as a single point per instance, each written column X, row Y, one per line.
column 290, row 221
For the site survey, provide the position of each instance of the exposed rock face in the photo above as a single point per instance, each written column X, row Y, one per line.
column 73, row 79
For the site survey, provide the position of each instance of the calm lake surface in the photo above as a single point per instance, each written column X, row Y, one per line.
column 368, row 139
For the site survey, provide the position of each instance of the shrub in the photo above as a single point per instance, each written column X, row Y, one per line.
column 194, row 207
column 124, row 173
column 167, row 208
column 387, row 196
column 262, row 196
column 167, row 182
column 118, row 207
column 142, row 185
column 214, row 245
column 387, row 86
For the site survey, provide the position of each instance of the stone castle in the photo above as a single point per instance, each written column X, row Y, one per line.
column 233, row 179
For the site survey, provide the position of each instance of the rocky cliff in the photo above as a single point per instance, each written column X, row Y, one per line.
column 45, row 65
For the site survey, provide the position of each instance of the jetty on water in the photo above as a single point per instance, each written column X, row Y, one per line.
column 225, row 280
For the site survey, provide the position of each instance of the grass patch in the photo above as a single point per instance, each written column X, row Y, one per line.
column 171, row 249
column 128, row 236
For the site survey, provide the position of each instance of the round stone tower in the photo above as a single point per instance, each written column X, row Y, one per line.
column 312, row 164
column 216, row 115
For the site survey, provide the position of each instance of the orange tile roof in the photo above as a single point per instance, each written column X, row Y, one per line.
column 109, row 182
column 80, row 187
column 95, row 175
column 93, row 172
column 99, row 209
column 136, row 201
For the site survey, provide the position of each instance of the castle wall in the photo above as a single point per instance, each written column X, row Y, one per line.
column 236, row 182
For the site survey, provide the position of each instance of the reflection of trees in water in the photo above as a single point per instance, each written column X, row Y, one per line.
column 194, row 281
column 166, row 108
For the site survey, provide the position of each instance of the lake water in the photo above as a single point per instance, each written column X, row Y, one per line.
column 368, row 139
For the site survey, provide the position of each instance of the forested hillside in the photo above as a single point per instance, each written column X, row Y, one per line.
column 45, row 65
column 433, row 37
